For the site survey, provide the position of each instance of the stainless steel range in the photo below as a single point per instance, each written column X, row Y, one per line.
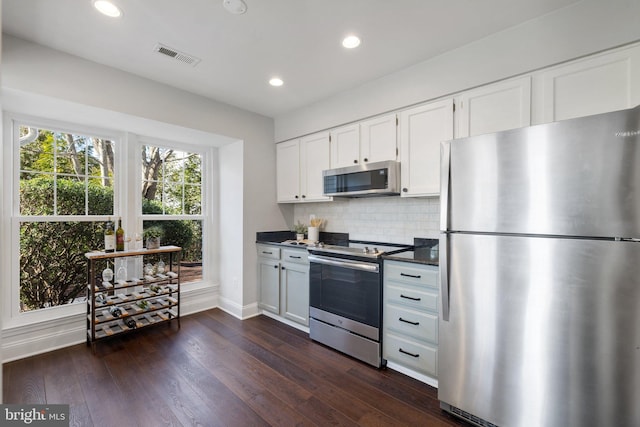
column 345, row 297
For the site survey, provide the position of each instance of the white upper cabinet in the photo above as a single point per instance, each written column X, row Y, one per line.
column 288, row 171
column 422, row 129
column 314, row 158
column 492, row 108
column 606, row 82
column 378, row 139
column 345, row 146
column 369, row 141
column 300, row 163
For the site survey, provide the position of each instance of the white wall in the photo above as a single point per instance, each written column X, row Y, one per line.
column 583, row 28
column 33, row 71
column 231, row 233
column 380, row 219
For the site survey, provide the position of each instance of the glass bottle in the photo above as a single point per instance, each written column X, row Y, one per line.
column 109, row 237
column 119, row 236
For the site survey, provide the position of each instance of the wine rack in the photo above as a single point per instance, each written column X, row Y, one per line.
column 122, row 301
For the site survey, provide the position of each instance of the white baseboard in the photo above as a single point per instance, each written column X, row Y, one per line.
column 241, row 312
column 413, row 374
column 286, row 321
column 28, row 340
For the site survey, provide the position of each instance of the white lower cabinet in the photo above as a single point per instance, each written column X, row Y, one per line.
column 410, row 316
column 269, row 277
column 283, row 276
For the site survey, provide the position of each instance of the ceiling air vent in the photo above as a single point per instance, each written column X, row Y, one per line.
column 177, row 55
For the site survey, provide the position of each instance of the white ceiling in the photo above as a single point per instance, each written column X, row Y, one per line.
column 298, row 40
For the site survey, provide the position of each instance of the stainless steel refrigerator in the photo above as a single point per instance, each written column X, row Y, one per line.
column 540, row 274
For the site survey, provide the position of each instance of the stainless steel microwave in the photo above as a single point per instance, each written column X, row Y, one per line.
column 365, row 180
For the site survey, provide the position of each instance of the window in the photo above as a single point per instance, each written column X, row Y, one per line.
column 65, row 193
column 172, row 202
column 67, row 181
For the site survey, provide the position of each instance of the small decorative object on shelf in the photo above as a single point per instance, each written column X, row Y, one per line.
column 133, row 300
column 152, row 235
column 300, row 229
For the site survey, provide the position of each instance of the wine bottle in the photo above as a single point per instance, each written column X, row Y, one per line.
column 119, row 236
column 109, row 237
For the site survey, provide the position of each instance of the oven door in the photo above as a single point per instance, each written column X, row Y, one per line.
column 346, row 288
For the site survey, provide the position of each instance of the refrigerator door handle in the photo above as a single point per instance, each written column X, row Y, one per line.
column 445, row 157
column 444, row 276
column 445, row 172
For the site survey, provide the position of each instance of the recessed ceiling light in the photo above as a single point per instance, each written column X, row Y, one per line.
column 351, row 41
column 237, row 7
column 276, row 81
column 107, row 8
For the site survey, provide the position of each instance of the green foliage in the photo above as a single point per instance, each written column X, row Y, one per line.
column 174, row 232
column 52, row 264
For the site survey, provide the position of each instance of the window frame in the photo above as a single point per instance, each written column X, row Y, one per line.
column 206, row 162
column 11, row 154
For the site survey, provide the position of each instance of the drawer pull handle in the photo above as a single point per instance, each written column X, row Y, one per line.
column 411, row 298
column 268, row 253
column 407, row 353
column 411, row 275
column 295, row 257
column 408, row 321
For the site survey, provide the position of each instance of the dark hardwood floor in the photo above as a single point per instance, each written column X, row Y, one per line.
column 219, row 371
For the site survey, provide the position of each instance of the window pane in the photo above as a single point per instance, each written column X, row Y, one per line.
column 173, row 198
column 100, row 158
column 36, row 194
column 36, row 150
column 100, row 193
column 70, row 194
column 53, row 269
column 187, row 235
column 69, row 154
column 152, row 197
column 192, row 199
column 193, row 170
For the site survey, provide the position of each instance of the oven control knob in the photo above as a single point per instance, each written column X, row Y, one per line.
column 375, row 250
column 366, row 250
column 320, row 245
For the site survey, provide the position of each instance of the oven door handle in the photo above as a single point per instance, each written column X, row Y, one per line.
column 346, row 263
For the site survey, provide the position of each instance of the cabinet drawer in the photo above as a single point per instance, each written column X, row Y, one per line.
column 406, row 273
column 419, row 357
column 418, row 325
column 265, row 251
column 295, row 255
column 412, row 297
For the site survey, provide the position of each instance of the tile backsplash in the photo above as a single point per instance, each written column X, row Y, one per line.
column 381, row 219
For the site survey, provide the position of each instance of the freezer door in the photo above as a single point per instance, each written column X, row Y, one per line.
column 578, row 177
column 542, row 331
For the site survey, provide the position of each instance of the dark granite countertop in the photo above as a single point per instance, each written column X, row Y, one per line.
column 423, row 252
column 278, row 237
column 414, row 256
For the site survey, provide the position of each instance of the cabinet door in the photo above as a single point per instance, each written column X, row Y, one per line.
column 496, row 107
column 295, row 292
column 269, row 276
column 288, row 171
column 314, row 158
column 345, row 146
column 378, row 139
column 600, row 84
column 422, row 129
